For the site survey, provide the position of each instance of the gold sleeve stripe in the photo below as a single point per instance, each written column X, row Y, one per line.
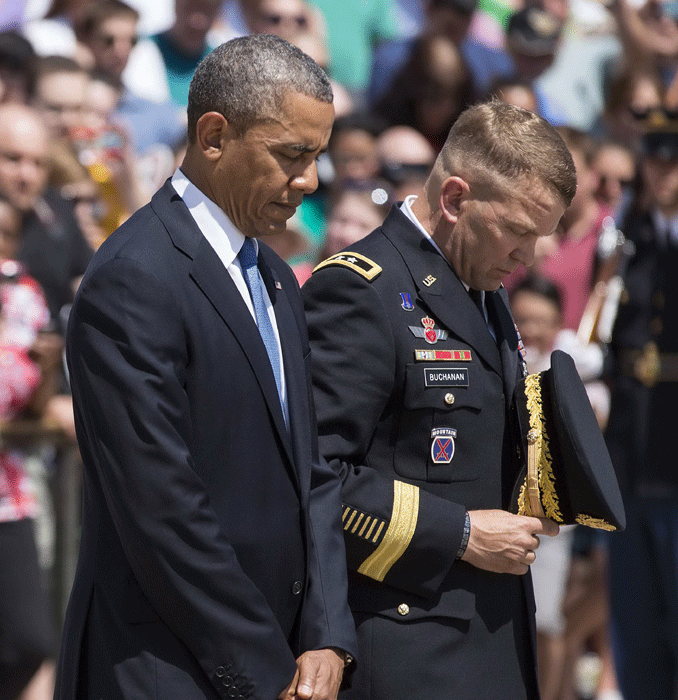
column 369, row 532
column 357, row 522
column 399, row 533
column 378, row 532
column 365, row 524
column 350, row 520
column 347, row 510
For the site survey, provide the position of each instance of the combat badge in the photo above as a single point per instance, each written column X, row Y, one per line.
column 442, row 445
column 429, row 332
column 407, row 301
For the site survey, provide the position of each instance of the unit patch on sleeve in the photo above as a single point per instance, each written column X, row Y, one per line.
column 354, row 261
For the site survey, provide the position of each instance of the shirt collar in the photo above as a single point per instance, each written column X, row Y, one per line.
column 406, row 208
column 217, row 228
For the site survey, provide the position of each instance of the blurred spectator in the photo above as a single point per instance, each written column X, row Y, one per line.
column 571, row 266
column 23, row 310
column 353, row 147
column 52, row 246
column 406, row 160
column 641, row 433
column 17, row 68
column 355, row 210
column 54, row 34
column 281, row 17
column 354, row 29
column 315, row 45
column 161, row 67
column 60, row 92
column 648, row 32
column 615, row 165
column 430, row 91
column 105, row 149
column 449, row 18
column 533, row 38
column 109, row 29
column 537, row 311
column 26, row 384
column 629, row 96
column 516, row 92
column 284, row 18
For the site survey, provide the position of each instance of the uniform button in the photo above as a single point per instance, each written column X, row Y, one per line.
column 403, row 609
column 220, row 671
column 228, row 681
column 449, row 399
column 296, row 587
column 233, row 692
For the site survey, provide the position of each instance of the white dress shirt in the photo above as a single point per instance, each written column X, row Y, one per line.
column 226, row 240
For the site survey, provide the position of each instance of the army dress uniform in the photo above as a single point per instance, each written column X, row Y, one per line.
column 642, row 437
column 412, row 392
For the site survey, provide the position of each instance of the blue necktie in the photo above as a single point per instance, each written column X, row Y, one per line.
column 250, row 271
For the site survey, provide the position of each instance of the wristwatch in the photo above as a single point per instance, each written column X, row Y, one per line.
column 464, row 538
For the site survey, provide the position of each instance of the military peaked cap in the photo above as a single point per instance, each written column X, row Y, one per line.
column 566, row 473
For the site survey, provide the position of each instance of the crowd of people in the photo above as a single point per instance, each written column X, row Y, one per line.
column 93, row 121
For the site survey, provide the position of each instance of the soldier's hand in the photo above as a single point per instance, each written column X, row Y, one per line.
column 503, row 542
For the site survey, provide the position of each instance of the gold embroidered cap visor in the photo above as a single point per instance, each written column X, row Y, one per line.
column 565, row 471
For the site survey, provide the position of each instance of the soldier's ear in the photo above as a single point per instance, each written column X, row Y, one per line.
column 453, row 190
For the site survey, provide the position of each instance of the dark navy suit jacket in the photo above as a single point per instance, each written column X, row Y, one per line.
column 212, row 552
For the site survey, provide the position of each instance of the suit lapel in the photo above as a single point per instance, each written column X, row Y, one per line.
column 440, row 289
column 295, row 373
column 208, row 272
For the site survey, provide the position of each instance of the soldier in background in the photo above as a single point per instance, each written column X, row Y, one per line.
column 641, row 434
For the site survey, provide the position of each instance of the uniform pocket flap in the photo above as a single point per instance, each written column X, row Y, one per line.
column 444, row 386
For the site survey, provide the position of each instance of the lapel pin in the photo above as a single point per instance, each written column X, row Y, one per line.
column 407, row 301
column 278, row 285
column 428, row 281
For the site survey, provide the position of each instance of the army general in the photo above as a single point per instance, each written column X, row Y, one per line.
column 415, row 358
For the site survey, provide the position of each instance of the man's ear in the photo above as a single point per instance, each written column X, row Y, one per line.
column 453, row 190
column 211, row 133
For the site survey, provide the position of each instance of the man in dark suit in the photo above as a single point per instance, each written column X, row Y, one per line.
column 211, row 551
column 641, row 432
column 413, row 382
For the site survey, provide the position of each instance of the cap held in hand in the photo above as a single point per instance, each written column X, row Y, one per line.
column 566, row 473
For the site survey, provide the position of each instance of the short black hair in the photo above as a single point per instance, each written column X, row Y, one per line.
column 247, row 79
column 18, row 56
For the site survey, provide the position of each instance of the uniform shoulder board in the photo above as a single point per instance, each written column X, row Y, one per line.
column 354, row 261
